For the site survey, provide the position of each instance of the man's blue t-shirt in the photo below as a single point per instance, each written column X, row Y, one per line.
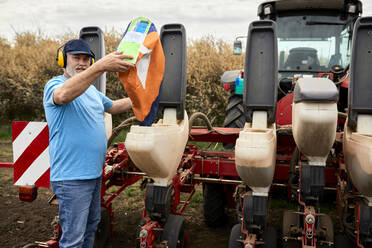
column 77, row 136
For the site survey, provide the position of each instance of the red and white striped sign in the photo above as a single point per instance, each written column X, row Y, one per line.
column 31, row 153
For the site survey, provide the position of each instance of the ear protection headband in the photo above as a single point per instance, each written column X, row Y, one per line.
column 61, row 57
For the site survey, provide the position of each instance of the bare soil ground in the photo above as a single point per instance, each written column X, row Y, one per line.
column 22, row 223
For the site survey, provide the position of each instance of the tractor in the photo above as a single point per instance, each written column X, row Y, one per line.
column 319, row 32
column 305, row 113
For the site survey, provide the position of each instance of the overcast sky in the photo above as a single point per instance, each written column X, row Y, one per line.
column 223, row 19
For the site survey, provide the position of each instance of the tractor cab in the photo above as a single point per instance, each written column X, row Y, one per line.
column 313, row 36
column 314, row 40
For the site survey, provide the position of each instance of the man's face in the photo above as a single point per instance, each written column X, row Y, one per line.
column 77, row 63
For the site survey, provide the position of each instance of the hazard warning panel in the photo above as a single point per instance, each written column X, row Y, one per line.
column 31, row 153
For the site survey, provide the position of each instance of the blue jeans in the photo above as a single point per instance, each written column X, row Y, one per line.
column 79, row 211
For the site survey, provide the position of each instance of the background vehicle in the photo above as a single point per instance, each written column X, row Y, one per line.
column 312, row 31
column 314, row 40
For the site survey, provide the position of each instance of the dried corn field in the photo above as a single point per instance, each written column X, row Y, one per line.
column 29, row 62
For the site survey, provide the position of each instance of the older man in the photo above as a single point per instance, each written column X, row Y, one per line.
column 74, row 111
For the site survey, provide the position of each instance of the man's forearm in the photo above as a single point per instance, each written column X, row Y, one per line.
column 120, row 106
column 77, row 84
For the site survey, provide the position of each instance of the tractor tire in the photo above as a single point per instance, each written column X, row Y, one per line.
column 174, row 231
column 103, row 230
column 290, row 218
column 342, row 241
column 270, row 238
column 291, row 244
column 325, row 221
column 234, row 117
column 235, row 236
column 31, row 246
column 214, row 205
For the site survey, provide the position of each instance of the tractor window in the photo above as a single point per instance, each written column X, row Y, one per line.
column 345, row 47
column 312, row 42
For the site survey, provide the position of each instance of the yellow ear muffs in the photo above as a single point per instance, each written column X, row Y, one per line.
column 61, row 57
column 92, row 57
column 60, row 60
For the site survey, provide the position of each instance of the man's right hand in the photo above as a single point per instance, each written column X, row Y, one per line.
column 114, row 62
